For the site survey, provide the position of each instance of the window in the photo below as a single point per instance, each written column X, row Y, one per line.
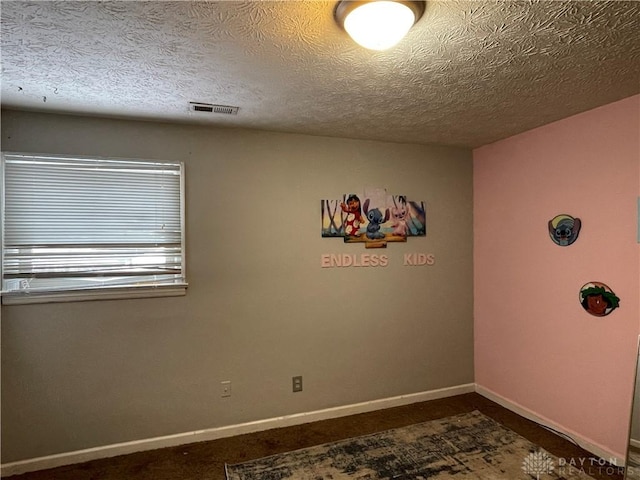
column 90, row 228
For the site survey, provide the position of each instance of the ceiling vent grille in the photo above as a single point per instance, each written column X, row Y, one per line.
column 211, row 108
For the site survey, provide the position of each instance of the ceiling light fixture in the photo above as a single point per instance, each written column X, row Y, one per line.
column 378, row 24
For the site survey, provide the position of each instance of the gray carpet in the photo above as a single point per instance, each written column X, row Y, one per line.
column 470, row 446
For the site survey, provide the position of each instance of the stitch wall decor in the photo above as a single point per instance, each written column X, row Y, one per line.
column 564, row 229
column 373, row 217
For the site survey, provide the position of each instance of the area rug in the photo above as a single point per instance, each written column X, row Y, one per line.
column 469, row 446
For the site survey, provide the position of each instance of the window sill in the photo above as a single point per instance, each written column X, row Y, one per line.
column 92, row 295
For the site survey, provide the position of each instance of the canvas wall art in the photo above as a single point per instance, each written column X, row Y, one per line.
column 373, row 217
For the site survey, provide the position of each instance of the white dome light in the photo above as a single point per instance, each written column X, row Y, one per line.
column 378, row 25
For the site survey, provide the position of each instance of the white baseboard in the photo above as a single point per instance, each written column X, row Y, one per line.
column 79, row 456
column 634, row 442
column 530, row 415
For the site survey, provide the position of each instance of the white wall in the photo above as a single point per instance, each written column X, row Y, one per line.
column 259, row 308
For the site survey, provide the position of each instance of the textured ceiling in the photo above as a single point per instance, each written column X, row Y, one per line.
column 469, row 72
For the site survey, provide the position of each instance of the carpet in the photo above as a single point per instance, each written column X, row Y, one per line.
column 633, row 464
column 469, row 446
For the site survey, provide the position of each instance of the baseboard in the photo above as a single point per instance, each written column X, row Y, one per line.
column 585, row 443
column 79, row 456
column 634, row 442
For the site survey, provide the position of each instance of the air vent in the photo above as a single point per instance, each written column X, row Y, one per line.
column 210, row 108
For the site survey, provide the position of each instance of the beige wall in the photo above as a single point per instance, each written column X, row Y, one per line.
column 259, row 308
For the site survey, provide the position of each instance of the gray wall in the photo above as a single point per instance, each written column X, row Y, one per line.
column 259, row 308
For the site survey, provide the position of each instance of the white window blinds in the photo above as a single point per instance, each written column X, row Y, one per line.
column 85, row 224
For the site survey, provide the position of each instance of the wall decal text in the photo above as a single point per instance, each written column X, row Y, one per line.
column 347, row 260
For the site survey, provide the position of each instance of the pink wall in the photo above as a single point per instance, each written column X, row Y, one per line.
column 535, row 346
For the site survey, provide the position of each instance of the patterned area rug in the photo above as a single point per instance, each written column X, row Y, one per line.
column 469, row 446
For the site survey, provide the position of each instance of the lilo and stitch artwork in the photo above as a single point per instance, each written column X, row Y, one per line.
column 373, row 217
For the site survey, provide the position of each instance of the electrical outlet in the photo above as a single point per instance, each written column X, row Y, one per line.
column 297, row 383
column 225, row 389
